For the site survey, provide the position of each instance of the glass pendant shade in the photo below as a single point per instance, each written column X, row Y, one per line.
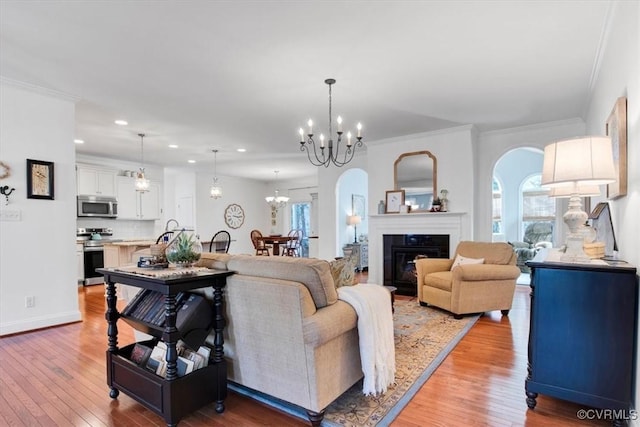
column 141, row 183
column 215, row 191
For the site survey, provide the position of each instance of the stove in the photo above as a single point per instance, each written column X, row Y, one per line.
column 93, row 240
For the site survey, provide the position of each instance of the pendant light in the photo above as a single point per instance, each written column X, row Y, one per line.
column 277, row 201
column 141, row 183
column 216, row 190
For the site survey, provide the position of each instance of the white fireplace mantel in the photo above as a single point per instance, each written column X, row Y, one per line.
column 455, row 224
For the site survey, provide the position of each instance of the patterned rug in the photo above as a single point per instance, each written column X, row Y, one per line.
column 424, row 336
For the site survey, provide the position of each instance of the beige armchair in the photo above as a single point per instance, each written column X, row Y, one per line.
column 470, row 288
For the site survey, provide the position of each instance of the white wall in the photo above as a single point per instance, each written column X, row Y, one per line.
column 619, row 75
column 247, row 193
column 38, row 252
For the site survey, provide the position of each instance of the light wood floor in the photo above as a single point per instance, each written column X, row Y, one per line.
column 56, row 377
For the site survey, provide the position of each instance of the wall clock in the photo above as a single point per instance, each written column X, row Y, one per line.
column 234, row 215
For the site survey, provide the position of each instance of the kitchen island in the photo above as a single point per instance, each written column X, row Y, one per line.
column 118, row 254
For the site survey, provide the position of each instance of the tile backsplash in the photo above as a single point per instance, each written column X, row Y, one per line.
column 124, row 229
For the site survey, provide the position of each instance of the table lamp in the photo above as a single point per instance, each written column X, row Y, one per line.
column 570, row 165
column 354, row 220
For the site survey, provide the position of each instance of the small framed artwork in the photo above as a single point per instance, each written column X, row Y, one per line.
column 358, row 205
column 39, row 179
column 617, row 130
column 395, row 199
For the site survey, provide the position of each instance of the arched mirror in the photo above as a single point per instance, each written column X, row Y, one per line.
column 417, row 174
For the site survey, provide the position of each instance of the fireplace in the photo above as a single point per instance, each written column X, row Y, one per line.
column 400, row 252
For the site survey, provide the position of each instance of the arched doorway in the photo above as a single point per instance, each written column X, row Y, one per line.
column 352, row 193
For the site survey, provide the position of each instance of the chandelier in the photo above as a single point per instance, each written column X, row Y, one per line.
column 141, row 183
column 216, row 190
column 324, row 155
column 276, row 201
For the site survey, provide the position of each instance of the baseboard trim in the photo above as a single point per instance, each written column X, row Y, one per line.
column 41, row 322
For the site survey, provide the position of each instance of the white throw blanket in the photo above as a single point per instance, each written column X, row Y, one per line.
column 372, row 303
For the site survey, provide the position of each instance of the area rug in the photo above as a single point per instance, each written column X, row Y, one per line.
column 424, row 336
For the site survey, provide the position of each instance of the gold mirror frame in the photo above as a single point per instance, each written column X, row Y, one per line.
column 397, row 186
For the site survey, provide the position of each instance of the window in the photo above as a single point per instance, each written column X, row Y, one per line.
column 497, row 207
column 537, row 206
column 300, row 220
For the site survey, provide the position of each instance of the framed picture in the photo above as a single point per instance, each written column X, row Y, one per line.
column 39, row 179
column 395, row 199
column 617, row 130
column 358, row 205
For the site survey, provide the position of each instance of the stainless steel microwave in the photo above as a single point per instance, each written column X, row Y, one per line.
column 97, row 206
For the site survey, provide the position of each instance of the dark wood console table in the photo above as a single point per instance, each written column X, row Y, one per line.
column 171, row 397
column 582, row 334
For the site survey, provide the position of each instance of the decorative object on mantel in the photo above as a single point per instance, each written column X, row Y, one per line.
column 436, row 205
column 381, row 207
column 141, row 182
column 395, row 199
column 6, row 192
column 216, row 190
column 617, row 131
column 444, row 202
column 333, row 153
column 573, row 163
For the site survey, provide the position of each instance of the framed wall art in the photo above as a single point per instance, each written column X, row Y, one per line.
column 39, row 179
column 358, row 205
column 395, row 199
column 617, row 130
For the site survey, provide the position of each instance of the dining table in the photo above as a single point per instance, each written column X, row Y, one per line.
column 276, row 241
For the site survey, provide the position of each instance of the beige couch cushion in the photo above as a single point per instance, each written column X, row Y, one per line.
column 492, row 252
column 315, row 274
column 440, row 280
column 214, row 260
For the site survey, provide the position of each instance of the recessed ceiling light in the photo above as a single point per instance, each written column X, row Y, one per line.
column 78, row 141
column 173, row 146
column 191, row 161
column 241, row 150
column 121, row 122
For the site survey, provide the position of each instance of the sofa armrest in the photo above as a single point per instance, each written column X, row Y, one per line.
column 329, row 322
column 425, row 266
column 476, row 272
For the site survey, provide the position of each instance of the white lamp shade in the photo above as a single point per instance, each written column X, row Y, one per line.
column 574, row 190
column 580, row 161
column 354, row 219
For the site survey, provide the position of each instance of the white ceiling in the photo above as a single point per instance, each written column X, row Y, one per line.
column 231, row 74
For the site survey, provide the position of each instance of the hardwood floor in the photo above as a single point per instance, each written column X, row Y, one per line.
column 56, row 377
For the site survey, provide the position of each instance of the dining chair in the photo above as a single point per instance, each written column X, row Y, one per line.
column 220, row 242
column 161, row 237
column 292, row 247
column 258, row 244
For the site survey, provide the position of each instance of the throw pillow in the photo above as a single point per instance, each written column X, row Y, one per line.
column 461, row 260
column 343, row 272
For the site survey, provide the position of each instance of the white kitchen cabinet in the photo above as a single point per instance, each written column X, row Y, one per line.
column 95, row 182
column 135, row 205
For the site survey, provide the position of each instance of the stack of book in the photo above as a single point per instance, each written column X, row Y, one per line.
column 192, row 310
column 154, row 359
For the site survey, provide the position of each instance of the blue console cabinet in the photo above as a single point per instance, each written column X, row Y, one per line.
column 582, row 334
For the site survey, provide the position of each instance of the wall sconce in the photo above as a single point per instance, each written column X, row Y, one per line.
column 6, row 192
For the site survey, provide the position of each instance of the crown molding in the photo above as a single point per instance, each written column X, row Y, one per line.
column 39, row 89
column 463, row 128
column 533, row 127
